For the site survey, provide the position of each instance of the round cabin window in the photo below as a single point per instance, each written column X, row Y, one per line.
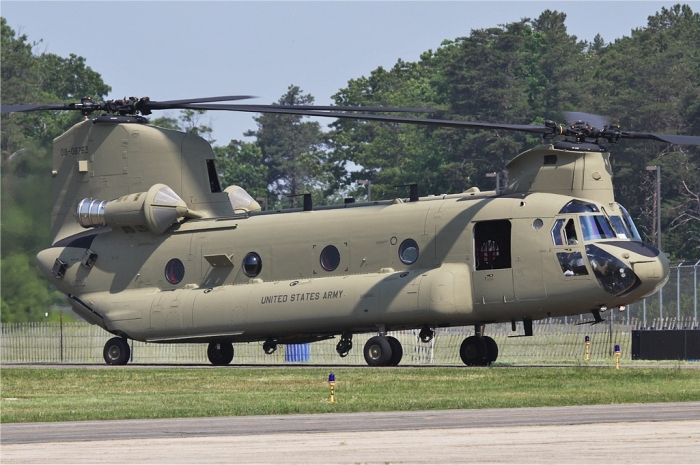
column 408, row 251
column 252, row 264
column 174, row 271
column 330, row 258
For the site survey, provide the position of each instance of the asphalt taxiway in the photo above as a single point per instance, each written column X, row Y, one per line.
column 632, row 433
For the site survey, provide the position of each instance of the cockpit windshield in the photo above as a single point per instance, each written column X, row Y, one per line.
column 595, row 224
column 620, row 227
column 629, row 223
column 596, row 227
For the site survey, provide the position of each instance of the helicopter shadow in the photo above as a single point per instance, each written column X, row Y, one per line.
column 442, row 244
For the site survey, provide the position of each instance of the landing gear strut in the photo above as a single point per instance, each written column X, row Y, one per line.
column 344, row 346
column 117, row 351
column 382, row 351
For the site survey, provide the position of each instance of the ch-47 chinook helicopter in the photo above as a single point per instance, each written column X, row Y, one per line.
column 147, row 245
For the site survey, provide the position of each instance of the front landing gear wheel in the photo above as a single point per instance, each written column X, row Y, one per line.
column 396, row 351
column 220, row 353
column 377, row 351
column 117, row 351
column 491, row 350
column 473, row 351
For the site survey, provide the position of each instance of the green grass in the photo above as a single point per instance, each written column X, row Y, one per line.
column 40, row 394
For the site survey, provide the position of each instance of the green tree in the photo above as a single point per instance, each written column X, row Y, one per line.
column 650, row 82
column 293, row 150
column 242, row 164
column 515, row 73
column 188, row 121
column 25, row 143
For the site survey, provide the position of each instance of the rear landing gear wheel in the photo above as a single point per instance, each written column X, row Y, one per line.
column 220, row 353
column 117, row 351
column 377, row 351
column 491, row 350
column 473, row 351
column 396, row 351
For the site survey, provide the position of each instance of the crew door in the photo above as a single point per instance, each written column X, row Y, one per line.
column 493, row 270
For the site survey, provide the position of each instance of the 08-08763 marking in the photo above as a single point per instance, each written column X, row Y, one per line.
column 79, row 150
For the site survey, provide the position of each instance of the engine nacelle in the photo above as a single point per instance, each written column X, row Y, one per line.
column 155, row 210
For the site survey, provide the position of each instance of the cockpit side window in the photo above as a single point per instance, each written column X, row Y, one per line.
column 557, row 236
column 564, row 235
column 570, row 230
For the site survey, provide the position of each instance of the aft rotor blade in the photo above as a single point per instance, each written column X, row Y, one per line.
column 385, row 118
column 266, row 108
column 225, row 98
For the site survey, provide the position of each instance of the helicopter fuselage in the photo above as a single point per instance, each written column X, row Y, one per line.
column 479, row 258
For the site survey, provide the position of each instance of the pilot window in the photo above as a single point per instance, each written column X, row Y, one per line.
column 492, row 245
column 566, row 235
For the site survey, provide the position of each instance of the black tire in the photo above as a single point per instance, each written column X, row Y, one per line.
column 377, row 351
column 473, row 351
column 396, row 351
column 220, row 353
column 117, row 351
column 491, row 350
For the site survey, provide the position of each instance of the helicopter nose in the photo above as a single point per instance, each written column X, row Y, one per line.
column 653, row 273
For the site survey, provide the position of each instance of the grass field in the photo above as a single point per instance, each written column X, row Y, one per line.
column 40, row 394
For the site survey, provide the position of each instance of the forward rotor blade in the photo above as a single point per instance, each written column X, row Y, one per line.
column 389, row 119
column 670, row 138
column 36, row 107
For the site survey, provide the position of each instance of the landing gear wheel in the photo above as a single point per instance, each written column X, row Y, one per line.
column 117, row 351
column 377, row 351
column 491, row 350
column 473, row 351
column 396, row 351
column 220, row 353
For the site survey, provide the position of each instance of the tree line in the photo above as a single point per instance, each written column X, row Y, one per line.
column 522, row 73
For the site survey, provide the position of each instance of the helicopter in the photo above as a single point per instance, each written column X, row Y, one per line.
column 148, row 245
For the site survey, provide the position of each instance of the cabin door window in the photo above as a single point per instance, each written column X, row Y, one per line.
column 492, row 245
column 493, row 272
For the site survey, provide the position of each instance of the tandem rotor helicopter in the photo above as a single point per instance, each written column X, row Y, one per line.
column 148, row 245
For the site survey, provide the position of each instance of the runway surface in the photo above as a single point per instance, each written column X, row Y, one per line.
column 651, row 433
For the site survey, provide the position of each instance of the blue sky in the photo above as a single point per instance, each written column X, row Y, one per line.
column 172, row 50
